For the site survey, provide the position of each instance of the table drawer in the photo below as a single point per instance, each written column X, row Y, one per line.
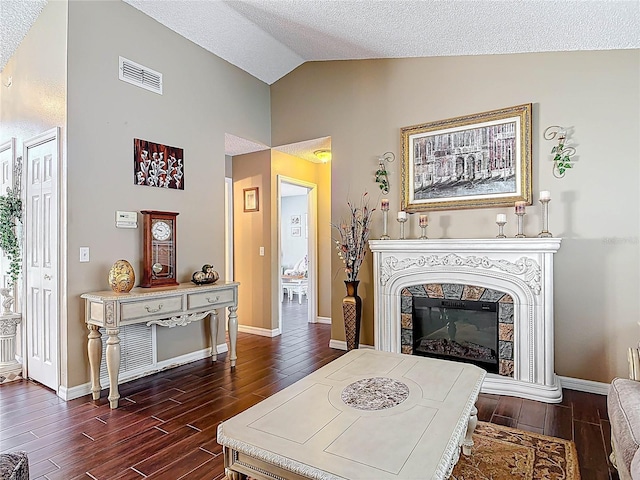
column 210, row 298
column 150, row 306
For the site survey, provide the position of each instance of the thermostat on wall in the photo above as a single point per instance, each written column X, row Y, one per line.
column 126, row 219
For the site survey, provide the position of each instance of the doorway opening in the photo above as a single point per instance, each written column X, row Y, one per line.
column 297, row 213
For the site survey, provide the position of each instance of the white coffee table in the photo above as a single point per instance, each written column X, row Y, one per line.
column 366, row 415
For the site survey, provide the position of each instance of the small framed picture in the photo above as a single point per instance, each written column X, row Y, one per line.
column 295, row 219
column 295, row 231
column 251, row 199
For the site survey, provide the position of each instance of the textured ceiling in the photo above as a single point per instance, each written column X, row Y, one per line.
column 16, row 18
column 270, row 38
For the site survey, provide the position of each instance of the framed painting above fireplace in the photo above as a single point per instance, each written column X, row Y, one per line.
column 478, row 160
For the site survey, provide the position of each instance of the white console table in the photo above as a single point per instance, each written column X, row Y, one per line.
column 164, row 306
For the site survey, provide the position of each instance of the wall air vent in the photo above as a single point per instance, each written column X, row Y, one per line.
column 136, row 74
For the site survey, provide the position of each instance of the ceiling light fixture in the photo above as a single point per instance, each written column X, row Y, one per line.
column 323, row 155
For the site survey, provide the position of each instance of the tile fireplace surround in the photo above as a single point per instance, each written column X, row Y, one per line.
column 521, row 268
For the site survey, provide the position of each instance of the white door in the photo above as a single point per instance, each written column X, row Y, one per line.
column 41, row 155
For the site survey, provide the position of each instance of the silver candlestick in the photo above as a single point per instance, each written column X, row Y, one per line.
column 545, row 218
column 385, row 235
column 402, row 221
column 501, row 225
column 520, row 224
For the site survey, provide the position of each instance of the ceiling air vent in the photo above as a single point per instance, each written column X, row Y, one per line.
column 136, row 74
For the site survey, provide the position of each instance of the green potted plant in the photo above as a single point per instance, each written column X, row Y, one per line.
column 10, row 214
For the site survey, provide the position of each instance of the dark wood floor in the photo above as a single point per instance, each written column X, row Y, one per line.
column 165, row 427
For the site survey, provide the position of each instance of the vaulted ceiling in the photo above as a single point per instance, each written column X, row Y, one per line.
column 269, row 38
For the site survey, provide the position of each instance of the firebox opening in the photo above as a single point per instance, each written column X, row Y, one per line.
column 459, row 330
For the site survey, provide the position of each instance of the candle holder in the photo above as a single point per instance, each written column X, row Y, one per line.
column 501, row 225
column 545, row 219
column 402, row 221
column 423, row 222
column 385, row 235
column 520, row 224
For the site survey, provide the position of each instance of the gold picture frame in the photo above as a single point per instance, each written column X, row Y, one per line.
column 474, row 161
column 251, row 199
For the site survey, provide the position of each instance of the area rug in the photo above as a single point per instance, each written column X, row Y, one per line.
column 503, row 453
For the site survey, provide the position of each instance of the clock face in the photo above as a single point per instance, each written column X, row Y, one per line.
column 161, row 230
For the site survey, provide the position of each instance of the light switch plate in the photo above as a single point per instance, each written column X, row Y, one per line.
column 84, row 254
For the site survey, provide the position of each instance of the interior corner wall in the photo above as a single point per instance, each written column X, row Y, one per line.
column 252, row 230
column 35, row 102
column 595, row 208
column 319, row 174
column 203, row 98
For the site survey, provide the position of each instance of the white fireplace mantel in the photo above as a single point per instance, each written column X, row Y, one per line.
column 521, row 267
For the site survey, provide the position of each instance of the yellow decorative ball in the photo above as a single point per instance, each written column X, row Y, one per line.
column 121, row 277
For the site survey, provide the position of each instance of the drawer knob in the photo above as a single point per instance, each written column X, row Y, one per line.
column 214, row 300
column 153, row 310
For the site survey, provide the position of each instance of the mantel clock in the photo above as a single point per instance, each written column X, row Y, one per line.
column 159, row 243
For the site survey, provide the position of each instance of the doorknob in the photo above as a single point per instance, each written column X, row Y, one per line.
column 47, row 277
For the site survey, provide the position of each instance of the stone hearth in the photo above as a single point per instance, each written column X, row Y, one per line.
column 522, row 269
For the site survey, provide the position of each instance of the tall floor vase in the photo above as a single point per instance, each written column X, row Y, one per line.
column 352, row 312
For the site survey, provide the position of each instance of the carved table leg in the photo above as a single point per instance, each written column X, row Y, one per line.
column 231, row 475
column 94, row 348
column 233, row 334
column 471, row 426
column 213, row 323
column 113, row 365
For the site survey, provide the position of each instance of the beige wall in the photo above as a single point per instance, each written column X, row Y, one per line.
column 252, row 230
column 203, row 98
column 595, row 208
column 36, row 99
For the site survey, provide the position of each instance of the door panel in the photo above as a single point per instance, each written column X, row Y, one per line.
column 41, row 258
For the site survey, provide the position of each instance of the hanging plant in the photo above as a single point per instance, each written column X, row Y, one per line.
column 10, row 214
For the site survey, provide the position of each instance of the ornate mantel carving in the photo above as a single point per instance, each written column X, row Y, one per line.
column 528, row 268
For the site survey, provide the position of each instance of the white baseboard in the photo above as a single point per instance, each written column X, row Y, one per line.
column 587, row 386
column 263, row 332
column 325, row 320
column 342, row 345
column 85, row 389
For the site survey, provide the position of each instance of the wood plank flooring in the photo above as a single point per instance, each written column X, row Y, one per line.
column 166, row 425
